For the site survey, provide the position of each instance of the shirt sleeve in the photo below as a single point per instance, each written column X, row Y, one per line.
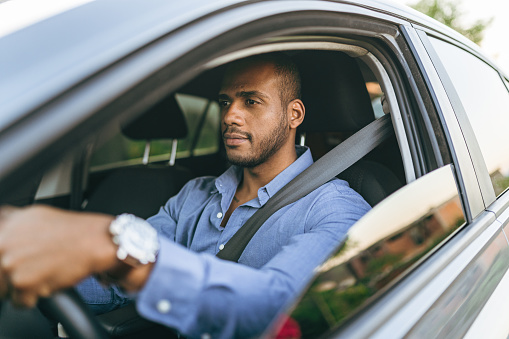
column 199, row 294
column 165, row 221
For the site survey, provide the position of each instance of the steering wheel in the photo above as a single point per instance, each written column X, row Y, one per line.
column 68, row 308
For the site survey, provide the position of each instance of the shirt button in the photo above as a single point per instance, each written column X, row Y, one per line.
column 163, row 306
column 206, row 336
column 219, row 215
column 221, row 247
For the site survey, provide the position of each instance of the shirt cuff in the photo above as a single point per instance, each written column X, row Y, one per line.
column 174, row 283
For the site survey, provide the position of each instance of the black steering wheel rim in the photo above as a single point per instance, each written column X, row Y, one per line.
column 67, row 307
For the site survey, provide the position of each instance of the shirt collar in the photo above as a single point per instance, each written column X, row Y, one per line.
column 304, row 160
column 229, row 180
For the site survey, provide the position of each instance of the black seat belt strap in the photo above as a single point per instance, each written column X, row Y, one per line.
column 324, row 169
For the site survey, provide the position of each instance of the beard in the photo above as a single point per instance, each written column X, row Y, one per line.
column 262, row 149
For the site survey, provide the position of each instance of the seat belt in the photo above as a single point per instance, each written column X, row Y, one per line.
column 323, row 170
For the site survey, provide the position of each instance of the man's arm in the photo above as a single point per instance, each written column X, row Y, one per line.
column 38, row 242
column 198, row 293
column 44, row 249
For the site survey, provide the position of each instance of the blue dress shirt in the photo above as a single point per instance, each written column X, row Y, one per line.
column 193, row 291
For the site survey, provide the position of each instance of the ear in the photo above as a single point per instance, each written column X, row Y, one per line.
column 296, row 111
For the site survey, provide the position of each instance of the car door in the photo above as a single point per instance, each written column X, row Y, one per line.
column 412, row 282
column 478, row 92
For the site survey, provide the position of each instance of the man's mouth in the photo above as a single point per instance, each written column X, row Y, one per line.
column 234, row 139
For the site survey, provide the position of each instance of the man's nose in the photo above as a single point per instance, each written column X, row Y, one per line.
column 233, row 115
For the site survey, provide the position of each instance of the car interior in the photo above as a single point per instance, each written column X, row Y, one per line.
column 178, row 139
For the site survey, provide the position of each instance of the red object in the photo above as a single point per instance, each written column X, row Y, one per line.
column 289, row 330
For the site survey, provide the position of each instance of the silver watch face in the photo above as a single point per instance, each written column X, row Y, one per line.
column 136, row 239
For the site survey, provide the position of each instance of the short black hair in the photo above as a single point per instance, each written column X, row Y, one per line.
column 287, row 71
column 289, row 75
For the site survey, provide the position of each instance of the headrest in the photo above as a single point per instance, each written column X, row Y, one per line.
column 334, row 92
column 164, row 120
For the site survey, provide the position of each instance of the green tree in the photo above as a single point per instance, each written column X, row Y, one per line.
column 450, row 13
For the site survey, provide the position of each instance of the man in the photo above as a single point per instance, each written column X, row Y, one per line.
column 187, row 287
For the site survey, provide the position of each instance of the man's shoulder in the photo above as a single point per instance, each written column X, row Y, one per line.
column 201, row 183
column 339, row 191
column 338, row 187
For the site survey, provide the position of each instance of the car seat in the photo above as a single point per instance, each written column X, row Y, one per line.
column 338, row 103
column 143, row 189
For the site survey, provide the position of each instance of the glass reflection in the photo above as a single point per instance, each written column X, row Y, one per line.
column 379, row 249
column 454, row 312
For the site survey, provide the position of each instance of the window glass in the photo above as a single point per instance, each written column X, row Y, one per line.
column 486, row 102
column 202, row 118
column 379, row 249
column 375, row 94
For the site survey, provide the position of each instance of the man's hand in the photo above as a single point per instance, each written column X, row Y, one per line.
column 44, row 249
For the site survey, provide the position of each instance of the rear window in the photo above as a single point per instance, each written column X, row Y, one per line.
column 202, row 117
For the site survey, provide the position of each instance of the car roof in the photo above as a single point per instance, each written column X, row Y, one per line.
column 52, row 55
column 15, row 16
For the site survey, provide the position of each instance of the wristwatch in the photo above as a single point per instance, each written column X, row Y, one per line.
column 136, row 239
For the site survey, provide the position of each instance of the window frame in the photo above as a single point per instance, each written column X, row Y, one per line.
column 466, row 176
column 475, row 154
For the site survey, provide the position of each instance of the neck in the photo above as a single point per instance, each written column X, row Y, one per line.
column 261, row 175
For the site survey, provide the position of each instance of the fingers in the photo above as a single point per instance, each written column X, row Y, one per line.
column 45, row 249
column 19, row 296
column 21, row 288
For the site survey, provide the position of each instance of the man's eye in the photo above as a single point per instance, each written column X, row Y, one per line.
column 250, row 102
column 223, row 103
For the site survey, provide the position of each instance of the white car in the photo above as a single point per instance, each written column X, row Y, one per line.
column 103, row 104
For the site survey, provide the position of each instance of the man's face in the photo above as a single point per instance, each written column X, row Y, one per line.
column 254, row 122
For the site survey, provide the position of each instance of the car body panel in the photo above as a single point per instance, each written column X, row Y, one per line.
column 50, row 66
